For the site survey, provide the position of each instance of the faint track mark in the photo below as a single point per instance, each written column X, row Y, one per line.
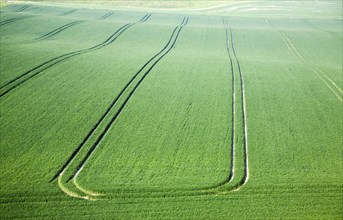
column 316, row 71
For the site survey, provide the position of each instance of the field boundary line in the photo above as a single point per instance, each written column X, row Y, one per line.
column 46, row 65
column 298, row 56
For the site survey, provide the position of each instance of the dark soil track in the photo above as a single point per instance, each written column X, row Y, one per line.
column 106, row 15
column 161, row 54
column 232, row 164
column 58, row 30
column 152, row 62
column 14, row 83
column 68, row 12
column 11, row 20
column 245, row 141
column 23, row 8
column 224, row 186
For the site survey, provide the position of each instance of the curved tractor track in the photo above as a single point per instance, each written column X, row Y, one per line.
column 23, row 8
column 68, row 12
column 24, row 77
column 58, row 30
column 245, row 178
column 12, row 20
column 106, row 16
column 230, row 183
column 67, row 175
column 77, row 167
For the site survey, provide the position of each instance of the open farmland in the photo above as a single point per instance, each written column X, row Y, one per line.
column 223, row 112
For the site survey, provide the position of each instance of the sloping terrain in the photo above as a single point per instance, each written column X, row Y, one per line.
column 233, row 111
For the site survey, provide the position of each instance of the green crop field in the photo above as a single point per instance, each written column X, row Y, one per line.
column 171, row 109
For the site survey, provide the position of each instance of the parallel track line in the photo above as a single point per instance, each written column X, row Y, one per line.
column 96, row 144
column 14, row 83
column 96, row 125
column 191, row 192
column 68, row 12
column 11, row 20
column 22, row 8
column 106, row 15
column 232, row 169
column 58, row 30
column 157, row 57
column 246, row 159
column 291, row 48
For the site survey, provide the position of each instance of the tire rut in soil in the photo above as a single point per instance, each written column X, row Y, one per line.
column 58, row 30
column 245, row 178
column 96, row 125
column 14, row 83
column 223, row 187
column 11, row 20
column 330, row 84
column 162, row 53
column 68, row 12
column 106, row 16
column 171, row 193
column 95, row 145
column 22, row 8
